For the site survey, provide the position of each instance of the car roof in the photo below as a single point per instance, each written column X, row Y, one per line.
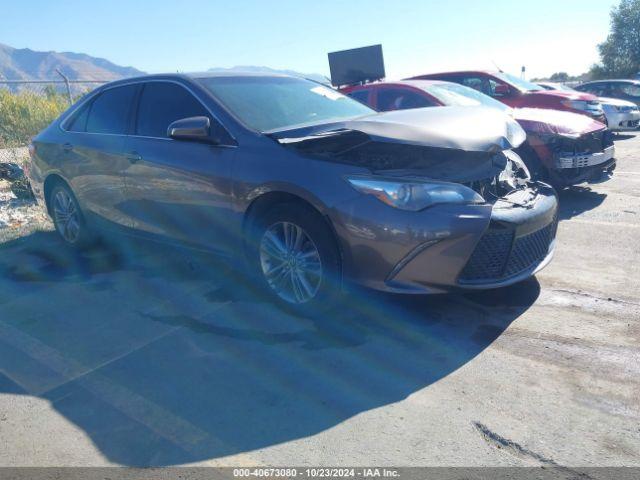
column 488, row 72
column 237, row 74
column 613, row 80
column 192, row 76
column 418, row 83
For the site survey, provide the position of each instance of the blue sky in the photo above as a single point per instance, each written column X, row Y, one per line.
column 418, row 36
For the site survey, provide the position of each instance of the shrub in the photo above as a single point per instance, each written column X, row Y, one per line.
column 23, row 114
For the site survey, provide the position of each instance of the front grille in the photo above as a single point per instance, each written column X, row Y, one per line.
column 591, row 143
column 594, row 142
column 499, row 255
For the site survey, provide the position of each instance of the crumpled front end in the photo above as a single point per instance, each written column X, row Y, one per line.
column 572, row 148
column 441, row 246
column 582, row 159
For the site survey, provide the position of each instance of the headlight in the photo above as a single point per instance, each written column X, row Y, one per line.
column 414, row 195
column 516, row 172
column 515, row 133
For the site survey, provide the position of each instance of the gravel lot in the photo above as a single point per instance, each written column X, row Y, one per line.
column 139, row 356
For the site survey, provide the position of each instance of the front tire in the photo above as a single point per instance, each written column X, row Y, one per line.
column 67, row 217
column 296, row 259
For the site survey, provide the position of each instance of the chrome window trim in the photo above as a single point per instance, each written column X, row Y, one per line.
column 62, row 125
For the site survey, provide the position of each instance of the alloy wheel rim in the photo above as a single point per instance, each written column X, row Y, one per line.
column 290, row 262
column 67, row 216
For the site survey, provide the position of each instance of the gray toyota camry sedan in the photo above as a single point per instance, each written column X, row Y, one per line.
column 306, row 186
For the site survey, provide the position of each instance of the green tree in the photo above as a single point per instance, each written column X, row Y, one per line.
column 559, row 77
column 620, row 52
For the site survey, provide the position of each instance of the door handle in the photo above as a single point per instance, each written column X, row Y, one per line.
column 133, row 157
column 67, row 147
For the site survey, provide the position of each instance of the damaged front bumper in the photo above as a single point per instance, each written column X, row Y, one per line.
column 448, row 247
column 587, row 159
column 572, row 160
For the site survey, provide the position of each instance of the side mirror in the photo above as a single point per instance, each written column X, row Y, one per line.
column 191, row 128
column 501, row 90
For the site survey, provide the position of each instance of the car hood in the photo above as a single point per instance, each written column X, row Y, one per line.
column 616, row 102
column 471, row 129
column 564, row 95
column 543, row 120
column 458, row 144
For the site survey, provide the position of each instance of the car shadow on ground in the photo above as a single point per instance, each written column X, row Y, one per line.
column 164, row 357
column 578, row 199
column 623, row 136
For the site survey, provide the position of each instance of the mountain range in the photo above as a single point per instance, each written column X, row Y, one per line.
column 27, row 64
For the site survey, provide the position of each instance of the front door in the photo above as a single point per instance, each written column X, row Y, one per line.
column 177, row 190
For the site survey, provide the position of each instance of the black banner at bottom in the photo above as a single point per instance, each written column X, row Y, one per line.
column 307, row 473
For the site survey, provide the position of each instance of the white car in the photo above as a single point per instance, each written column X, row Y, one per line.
column 621, row 114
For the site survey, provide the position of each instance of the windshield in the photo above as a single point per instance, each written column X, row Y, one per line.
column 519, row 82
column 277, row 103
column 453, row 94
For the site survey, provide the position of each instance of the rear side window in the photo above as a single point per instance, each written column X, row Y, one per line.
column 109, row 112
column 400, row 99
column 361, row 95
column 79, row 121
column 476, row 83
column 162, row 103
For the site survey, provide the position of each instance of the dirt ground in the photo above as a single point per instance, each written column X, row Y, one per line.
column 139, row 356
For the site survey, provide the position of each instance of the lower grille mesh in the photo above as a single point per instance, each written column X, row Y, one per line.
column 498, row 256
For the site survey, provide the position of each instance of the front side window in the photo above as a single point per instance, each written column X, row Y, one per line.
column 630, row 90
column 109, row 112
column 597, row 89
column 276, row 103
column 400, row 99
column 162, row 103
column 498, row 89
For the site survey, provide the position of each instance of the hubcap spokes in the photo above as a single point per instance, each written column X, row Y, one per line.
column 66, row 215
column 290, row 262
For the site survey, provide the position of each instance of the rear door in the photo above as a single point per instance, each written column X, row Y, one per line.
column 176, row 189
column 93, row 153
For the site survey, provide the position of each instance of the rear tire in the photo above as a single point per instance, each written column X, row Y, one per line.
column 67, row 217
column 295, row 259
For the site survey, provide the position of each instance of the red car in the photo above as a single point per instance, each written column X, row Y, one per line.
column 519, row 93
column 562, row 148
